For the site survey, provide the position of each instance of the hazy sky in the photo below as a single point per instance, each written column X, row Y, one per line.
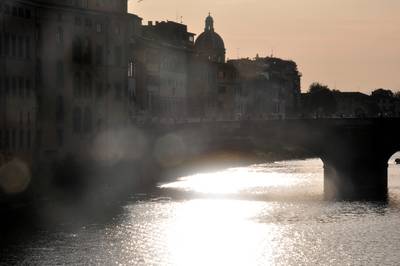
column 353, row 45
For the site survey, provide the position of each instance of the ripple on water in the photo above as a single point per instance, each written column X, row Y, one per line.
column 270, row 214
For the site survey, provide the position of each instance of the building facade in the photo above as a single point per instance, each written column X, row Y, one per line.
column 83, row 66
column 71, row 70
column 163, row 54
column 64, row 73
column 213, row 81
column 269, row 88
column 18, row 88
column 209, row 44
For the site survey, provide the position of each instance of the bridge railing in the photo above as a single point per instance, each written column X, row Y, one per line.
column 199, row 120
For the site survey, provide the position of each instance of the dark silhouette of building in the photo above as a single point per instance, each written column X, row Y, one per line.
column 18, row 84
column 355, row 104
column 163, row 52
column 73, row 56
column 269, row 87
column 209, row 44
column 213, row 83
column 72, row 70
column 388, row 104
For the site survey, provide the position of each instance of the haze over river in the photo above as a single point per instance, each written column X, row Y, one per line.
column 269, row 214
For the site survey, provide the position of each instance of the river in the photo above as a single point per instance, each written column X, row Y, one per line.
column 268, row 214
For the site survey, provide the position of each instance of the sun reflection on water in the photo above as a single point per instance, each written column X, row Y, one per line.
column 233, row 181
column 225, row 231
column 220, row 232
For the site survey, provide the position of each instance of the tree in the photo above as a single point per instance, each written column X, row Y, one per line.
column 318, row 88
column 382, row 93
column 320, row 100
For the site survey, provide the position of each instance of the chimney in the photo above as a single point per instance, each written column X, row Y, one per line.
column 150, row 23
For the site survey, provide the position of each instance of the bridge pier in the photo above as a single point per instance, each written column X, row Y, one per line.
column 356, row 179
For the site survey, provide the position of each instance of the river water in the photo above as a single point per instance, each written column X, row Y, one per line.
column 270, row 214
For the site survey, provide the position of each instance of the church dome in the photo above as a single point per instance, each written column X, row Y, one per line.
column 209, row 44
column 209, row 40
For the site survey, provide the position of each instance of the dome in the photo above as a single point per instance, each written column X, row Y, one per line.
column 209, row 40
column 209, row 44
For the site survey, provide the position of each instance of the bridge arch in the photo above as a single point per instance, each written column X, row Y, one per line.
column 355, row 152
column 394, row 173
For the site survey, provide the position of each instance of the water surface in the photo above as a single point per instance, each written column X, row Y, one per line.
column 269, row 214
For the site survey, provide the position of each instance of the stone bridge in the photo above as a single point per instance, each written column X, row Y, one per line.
column 355, row 152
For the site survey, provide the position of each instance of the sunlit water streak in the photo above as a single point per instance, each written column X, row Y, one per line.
column 271, row 214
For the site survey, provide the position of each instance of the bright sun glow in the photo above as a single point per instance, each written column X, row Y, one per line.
column 219, row 232
column 232, row 181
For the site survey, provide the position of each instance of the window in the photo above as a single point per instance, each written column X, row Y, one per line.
column 28, row 13
column 60, row 74
column 131, row 69
column 77, row 50
column 60, row 109
column 78, row 21
column 13, row 139
column 21, row 12
column 88, row 125
column 28, row 118
column 117, row 56
column 21, row 139
column 77, row 85
column 7, row 44
column 21, row 119
column 13, row 45
column 14, row 86
column 60, row 137
column 28, row 47
column 27, row 88
column 14, row 11
column 77, row 120
column 87, row 51
column 21, row 87
column 88, row 22
column 88, row 86
column 7, row 9
column 28, row 139
column 99, row 55
column 118, row 91
column 7, row 86
column 1, row 43
column 99, row 90
column 84, row 3
column 20, row 46
column 99, row 27
column 60, row 35
column 39, row 138
column 7, row 139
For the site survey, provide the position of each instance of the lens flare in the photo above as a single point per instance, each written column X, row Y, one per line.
column 170, row 150
column 118, row 145
column 15, row 177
